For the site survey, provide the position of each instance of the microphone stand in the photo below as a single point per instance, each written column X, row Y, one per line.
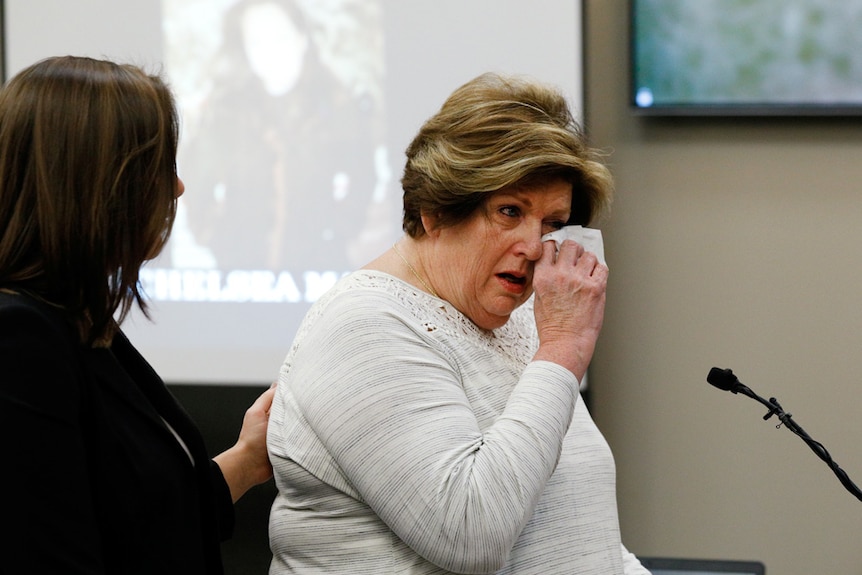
column 785, row 418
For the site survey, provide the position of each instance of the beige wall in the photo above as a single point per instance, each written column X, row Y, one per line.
column 733, row 243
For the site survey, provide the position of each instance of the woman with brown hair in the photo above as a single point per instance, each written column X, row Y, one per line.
column 104, row 471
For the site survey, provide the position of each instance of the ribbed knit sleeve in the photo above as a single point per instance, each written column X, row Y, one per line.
column 417, row 443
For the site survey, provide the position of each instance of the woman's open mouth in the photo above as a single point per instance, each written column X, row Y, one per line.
column 514, row 283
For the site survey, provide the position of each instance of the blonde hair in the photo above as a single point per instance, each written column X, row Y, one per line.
column 497, row 132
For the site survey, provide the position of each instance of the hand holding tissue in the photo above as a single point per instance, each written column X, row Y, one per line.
column 589, row 238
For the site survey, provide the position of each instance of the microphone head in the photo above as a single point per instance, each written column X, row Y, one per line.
column 723, row 379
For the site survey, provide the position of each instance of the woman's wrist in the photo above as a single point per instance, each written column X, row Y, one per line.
column 242, row 469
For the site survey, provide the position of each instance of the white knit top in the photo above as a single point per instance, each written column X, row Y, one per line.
column 405, row 440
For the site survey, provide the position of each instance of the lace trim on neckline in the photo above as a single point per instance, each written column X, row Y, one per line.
column 515, row 342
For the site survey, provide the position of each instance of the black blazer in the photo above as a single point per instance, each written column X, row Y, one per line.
column 93, row 480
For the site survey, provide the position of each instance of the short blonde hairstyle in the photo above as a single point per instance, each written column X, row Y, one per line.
column 497, row 132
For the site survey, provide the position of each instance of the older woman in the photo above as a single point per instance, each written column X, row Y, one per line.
column 427, row 418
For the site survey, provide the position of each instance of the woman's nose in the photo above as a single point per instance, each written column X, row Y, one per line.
column 532, row 244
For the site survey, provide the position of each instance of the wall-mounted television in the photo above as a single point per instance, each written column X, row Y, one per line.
column 746, row 57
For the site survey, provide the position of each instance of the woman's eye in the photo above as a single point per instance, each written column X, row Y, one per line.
column 558, row 225
column 510, row 211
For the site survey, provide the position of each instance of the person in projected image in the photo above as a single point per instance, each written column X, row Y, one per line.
column 427, row 417
column 104, row 472
column 282, row 158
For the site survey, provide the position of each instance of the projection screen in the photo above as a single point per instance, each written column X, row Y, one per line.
column 295, row 117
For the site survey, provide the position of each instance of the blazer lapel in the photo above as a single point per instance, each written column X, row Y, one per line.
column 123, row 372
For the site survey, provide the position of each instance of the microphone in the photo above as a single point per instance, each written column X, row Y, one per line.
column 725, row 380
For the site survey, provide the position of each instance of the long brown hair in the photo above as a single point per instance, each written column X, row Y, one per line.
column 87, row 186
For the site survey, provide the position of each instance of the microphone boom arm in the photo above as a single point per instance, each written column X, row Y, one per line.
column 725, row 379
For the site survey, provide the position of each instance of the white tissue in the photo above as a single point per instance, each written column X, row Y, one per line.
column 589, row 238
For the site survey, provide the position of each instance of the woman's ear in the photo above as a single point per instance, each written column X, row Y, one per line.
column 429, row 223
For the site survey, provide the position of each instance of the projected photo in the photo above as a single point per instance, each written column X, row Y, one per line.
column 295, row 116
column 282, row 151
column 747, row 52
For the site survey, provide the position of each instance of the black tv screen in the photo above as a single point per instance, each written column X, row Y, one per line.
column 746, row 57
